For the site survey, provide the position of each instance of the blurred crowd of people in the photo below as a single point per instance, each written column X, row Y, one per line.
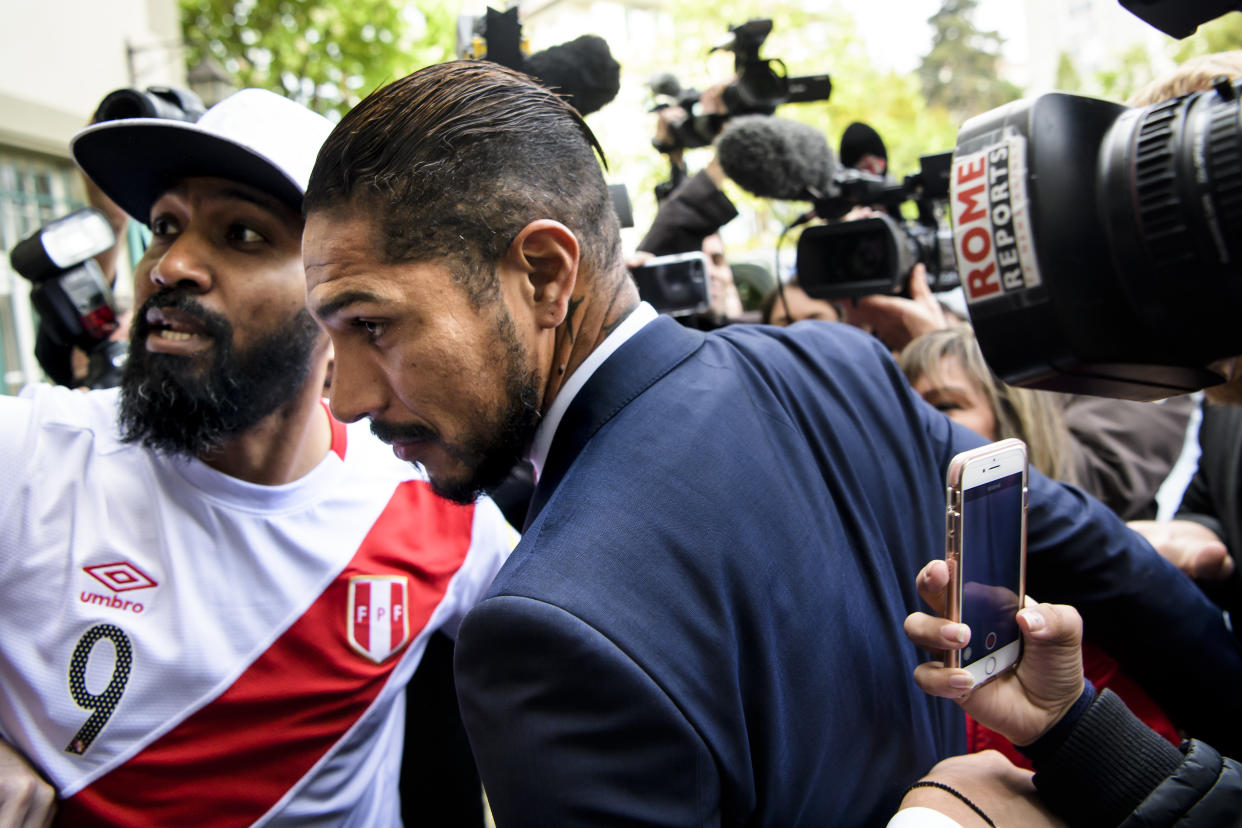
column 720, row 609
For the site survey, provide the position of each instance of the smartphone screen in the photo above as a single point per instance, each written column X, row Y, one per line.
column 991, row 562
column 985, row 547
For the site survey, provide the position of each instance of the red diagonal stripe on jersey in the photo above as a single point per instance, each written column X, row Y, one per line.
column 231, row 761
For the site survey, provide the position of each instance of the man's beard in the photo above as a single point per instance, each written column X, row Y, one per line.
column 192, row 405
column 500, row 442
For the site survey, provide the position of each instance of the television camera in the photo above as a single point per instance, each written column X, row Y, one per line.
column 876, row 254
column 760, row 86
column 1100, row 245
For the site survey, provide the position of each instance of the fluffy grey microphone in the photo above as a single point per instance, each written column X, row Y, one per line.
column 775, row 158
column 583, row 70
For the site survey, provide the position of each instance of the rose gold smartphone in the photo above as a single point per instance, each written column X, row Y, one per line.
column 985, row 548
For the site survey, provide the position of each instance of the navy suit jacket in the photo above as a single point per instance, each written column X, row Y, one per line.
column 702, row 624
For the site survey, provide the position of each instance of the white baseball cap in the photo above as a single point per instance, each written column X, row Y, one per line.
column 254, row 136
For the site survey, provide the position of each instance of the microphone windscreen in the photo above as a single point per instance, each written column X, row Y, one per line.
column 775, row 158
column 664, row 83
column 583, row 70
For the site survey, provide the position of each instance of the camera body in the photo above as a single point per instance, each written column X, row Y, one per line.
column 761, row 85
column 677, row 284
column 1100, row 246
column 846, row 259
column 495, row 36
column 70, row 292
column 873, row 255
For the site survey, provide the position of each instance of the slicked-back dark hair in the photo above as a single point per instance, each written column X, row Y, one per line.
column 455, row 159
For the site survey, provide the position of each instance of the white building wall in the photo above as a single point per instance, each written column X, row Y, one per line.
column 58, row 58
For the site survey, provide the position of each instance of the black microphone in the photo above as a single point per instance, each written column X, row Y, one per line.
column 583, row 70
column 775, row 158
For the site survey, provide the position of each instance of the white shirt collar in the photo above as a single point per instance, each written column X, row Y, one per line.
column 631, row 325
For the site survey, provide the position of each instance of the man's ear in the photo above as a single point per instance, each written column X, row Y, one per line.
column 545, row 256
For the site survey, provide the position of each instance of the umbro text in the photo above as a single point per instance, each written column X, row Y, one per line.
column 114, row 601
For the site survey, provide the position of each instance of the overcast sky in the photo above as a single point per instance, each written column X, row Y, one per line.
column 897, row 34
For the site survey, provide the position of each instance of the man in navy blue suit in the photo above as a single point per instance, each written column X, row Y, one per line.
column 703, row 622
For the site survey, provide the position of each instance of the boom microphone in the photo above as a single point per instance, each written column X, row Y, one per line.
column 583, row 70
column 775, row 158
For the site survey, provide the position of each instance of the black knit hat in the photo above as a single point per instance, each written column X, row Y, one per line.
column 859, row 140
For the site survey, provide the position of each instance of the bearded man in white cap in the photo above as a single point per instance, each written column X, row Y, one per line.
column 222, row 591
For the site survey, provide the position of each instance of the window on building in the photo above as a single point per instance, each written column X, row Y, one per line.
column 33, row 191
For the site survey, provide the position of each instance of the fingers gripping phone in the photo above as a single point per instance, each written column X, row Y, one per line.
column 985, row 548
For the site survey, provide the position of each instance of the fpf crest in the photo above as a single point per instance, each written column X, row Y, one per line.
column 378, row 625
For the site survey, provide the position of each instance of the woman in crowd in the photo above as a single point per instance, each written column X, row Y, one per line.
column 790, row 303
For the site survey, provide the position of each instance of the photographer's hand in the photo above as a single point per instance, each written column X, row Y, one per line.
column 638, row 258
column 1023, row 704
column 666, row 140
column 26, row 800
column 1191, row 547
column 897, row 320
column 711, row 101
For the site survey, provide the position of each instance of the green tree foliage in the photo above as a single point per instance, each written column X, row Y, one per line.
column 1068, row 79
column 1220, row 35
column 1131, row 70
column 1134, row 67
column 820, row 38
column 327, row 54
column 812, row 37
column 961, row 72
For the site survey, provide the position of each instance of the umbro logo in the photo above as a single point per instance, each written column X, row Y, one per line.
column 120, row 576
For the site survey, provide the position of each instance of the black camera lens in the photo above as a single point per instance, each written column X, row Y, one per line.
column 155, row 102
column 124, row 103
column 854, row 258
column 865, row 256
column 1171, row 185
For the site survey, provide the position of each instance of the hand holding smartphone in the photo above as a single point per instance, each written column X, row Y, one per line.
column 985, row 549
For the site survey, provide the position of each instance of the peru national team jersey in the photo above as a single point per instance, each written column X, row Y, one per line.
column 185, row 648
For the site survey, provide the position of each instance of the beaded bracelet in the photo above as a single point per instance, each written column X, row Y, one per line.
column 927, row 783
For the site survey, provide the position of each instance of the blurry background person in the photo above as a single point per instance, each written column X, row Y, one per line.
column 691, row 213
column 65, row 363
column 863, row 149
column 789, row 303
column 726, row 301
column 947, row 368
column 1204, row 538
